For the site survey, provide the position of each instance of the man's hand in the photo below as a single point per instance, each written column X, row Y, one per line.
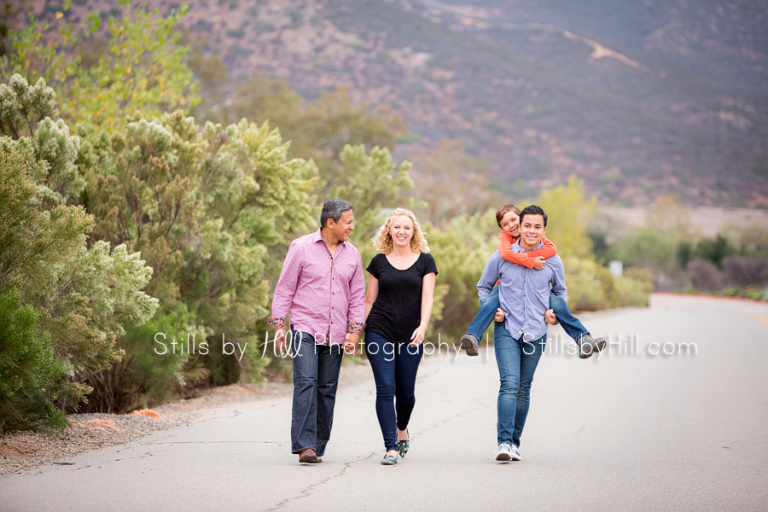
column 539, row 263
column 279, row 341
column 351, row 342
column 550, row 317
column 499, row 317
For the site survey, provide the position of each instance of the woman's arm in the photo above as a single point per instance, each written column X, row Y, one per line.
column 427, row 299
column 371, row 294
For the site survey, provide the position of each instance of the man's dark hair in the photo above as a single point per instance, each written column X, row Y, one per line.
column 533, row 210
column 332, row 209
column 505, row 209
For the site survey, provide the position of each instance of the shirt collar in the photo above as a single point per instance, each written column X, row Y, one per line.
column 516, row 246
column 319, row 237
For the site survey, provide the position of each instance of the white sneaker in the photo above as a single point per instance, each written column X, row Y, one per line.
column 515, row 453
column 503, row 452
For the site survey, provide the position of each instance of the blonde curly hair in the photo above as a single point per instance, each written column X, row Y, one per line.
column 383, row 240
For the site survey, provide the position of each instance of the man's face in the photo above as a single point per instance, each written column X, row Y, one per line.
column 531, row 231
column 341, row 230
column 510, row 223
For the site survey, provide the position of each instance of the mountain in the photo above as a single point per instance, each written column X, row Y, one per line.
column 640, row 98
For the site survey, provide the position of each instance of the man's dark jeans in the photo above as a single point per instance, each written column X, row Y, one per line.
column 315, row 380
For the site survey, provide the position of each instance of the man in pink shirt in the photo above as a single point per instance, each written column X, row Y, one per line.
column 322, row 288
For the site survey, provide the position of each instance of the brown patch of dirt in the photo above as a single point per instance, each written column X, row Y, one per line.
column 17, row 447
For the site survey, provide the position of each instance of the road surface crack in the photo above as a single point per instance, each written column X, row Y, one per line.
column 304, row 493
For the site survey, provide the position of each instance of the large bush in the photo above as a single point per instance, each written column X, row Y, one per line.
column 204, row 206
column 29, row 373
column 592, row 287
column 460, row 250
column 85, row 294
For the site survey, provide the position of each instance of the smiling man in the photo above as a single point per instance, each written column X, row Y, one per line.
column 322, row 287
column 519, row 341
column 508, row 219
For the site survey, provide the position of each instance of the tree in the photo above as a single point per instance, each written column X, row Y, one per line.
column 451, row 182
column 569, row 213
column 143, row 68
column 84, row 296
column 318, row 130
column 370, row 181
column 333, row 122
column 32, row 241
column 205, row 206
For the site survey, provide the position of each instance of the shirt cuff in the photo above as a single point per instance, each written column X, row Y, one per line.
column 278, row 322
column 355, row 327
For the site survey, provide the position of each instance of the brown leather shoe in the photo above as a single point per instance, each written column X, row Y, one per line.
column 308, row 455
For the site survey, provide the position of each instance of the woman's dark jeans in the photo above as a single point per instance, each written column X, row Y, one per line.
column 394, row 368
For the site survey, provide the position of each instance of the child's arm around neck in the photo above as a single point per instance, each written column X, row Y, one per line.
column 525, row 259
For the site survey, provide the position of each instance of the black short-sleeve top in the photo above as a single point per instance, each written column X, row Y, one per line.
column 397, row 310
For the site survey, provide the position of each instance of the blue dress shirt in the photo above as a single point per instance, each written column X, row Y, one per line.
column 523, row 292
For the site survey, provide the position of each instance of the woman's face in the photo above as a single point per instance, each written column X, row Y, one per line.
column 401, row 231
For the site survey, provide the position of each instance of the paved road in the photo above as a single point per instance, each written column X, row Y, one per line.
column 627, row 432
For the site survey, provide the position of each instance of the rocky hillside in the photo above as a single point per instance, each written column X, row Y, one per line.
column 640, row 98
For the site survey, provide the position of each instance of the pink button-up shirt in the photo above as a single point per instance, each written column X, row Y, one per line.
column 323, row 294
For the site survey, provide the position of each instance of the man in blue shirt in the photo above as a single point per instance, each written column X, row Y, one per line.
column 519, row 341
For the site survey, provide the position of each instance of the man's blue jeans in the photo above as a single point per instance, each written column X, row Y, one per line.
column 315, row 380
column 394, row 366
column 517, row 361
column 488, row 308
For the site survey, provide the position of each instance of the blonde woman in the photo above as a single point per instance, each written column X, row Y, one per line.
column 398, row 305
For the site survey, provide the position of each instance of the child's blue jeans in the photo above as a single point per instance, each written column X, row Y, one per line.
column 488, row 308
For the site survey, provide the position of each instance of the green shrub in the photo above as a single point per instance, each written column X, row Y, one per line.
column 746, row 292
column 648, row 247
column 460, row 250
column 589, row 289
column 152, row 369
column 633, row 292
column 592, row 287
column 713, row 250
column 28, row 371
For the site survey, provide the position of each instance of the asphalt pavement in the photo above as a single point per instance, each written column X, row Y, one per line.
column 672, row 416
